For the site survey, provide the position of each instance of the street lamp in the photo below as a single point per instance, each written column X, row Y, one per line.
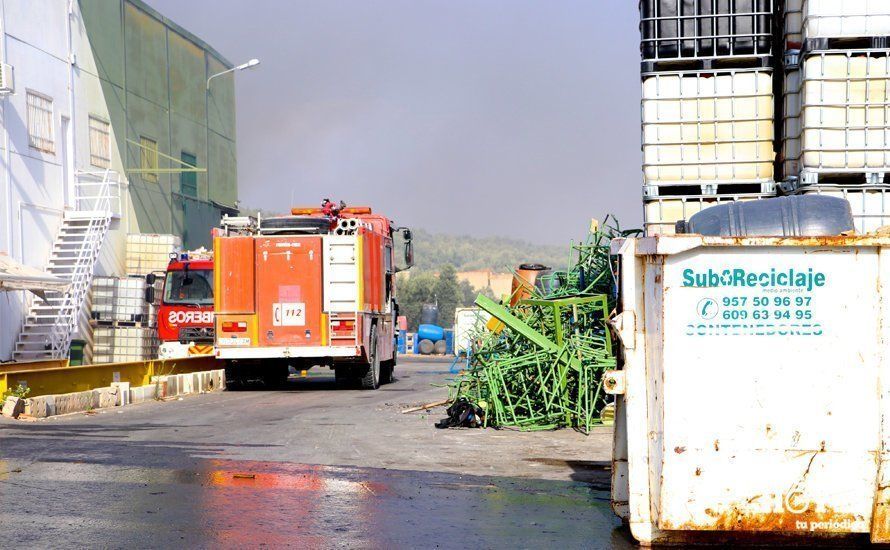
column 250, row 64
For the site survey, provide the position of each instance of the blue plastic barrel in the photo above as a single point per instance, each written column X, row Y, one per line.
column 432, row 333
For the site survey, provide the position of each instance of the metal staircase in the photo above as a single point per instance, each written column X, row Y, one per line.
column 47, row 330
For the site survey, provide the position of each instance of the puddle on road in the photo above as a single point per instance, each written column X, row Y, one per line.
column 246, row 503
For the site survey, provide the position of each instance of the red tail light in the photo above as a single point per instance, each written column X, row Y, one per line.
column 232, row 326
column 344, row 326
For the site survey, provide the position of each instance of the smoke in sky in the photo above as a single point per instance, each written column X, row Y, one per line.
column 483, row 117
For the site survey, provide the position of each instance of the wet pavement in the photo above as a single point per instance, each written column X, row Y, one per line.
column 310, row 467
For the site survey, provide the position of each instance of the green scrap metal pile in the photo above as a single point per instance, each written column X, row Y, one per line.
column 540, row 362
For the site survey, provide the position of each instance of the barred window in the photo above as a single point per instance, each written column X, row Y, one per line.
column 100, row 142
column 149, row 162
column 40, row 122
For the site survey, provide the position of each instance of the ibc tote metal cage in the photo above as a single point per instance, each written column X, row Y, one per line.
column 705, row 31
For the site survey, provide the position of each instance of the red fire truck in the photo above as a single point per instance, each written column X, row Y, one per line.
column 313, row 288
column 185, row 313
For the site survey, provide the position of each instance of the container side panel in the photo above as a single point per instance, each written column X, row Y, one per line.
column 769, row 405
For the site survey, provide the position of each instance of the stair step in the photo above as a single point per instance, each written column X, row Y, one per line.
column 51, row 304
column 79, row 240
column 37, row 337
column 42, row 315
column 32, row 354
column 48, row 310
column 37, row 325
column 35, row 319
column 94, row 215
column 65, row 260
column 32, row 346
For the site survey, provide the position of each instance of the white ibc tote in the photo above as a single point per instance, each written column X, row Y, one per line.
column 707, row 129
column 844, row 122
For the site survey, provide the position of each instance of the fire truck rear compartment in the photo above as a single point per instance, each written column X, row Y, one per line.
column 289, row 291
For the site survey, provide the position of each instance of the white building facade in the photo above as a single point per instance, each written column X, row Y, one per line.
column 67, row 121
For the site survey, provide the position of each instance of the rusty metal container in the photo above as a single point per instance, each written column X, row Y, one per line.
column 754, row 389
column 526, row 278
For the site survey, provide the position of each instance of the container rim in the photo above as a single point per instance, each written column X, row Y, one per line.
column 676, row 244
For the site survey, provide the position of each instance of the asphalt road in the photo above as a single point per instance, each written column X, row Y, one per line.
column 309, row 466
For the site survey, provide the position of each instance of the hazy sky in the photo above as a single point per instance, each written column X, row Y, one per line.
column 481, row 117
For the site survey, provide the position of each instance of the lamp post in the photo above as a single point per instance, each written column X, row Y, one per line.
column 249, row 65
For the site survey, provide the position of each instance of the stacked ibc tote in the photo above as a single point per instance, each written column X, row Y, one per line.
column 708, row 107
column 836, row 104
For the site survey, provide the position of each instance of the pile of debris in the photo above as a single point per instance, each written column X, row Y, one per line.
column 539, row 363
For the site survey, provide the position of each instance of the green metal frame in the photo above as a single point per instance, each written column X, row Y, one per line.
column 188, row 167
column 599, row 302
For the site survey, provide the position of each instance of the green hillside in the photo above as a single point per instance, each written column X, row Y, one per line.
column 465, row 253
column 499, row 254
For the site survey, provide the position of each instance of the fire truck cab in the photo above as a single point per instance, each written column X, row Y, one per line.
column 185, row 305
column 316, row 288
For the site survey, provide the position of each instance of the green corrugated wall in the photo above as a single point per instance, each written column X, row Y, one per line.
column 153, row 76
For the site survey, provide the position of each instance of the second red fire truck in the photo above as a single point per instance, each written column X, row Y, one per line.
column 185, row 305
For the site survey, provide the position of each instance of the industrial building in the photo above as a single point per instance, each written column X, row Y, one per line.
column 110, row 126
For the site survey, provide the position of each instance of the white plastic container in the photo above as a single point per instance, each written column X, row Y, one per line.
column 754, row 388
column 870, row 203
column 660, row 215
column 147, row 253
column 845, row 121
column 468, row 321
column 845, row 18
column 706, row 129
column 124, row 344
column 121, row 299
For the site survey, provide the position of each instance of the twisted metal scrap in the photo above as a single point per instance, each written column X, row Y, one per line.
column 522, row 383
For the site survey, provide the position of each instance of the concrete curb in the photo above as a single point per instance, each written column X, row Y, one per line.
column 121, row 394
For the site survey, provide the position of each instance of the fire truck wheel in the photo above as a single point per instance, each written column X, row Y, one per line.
column 386, row 369
column 371, row 378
